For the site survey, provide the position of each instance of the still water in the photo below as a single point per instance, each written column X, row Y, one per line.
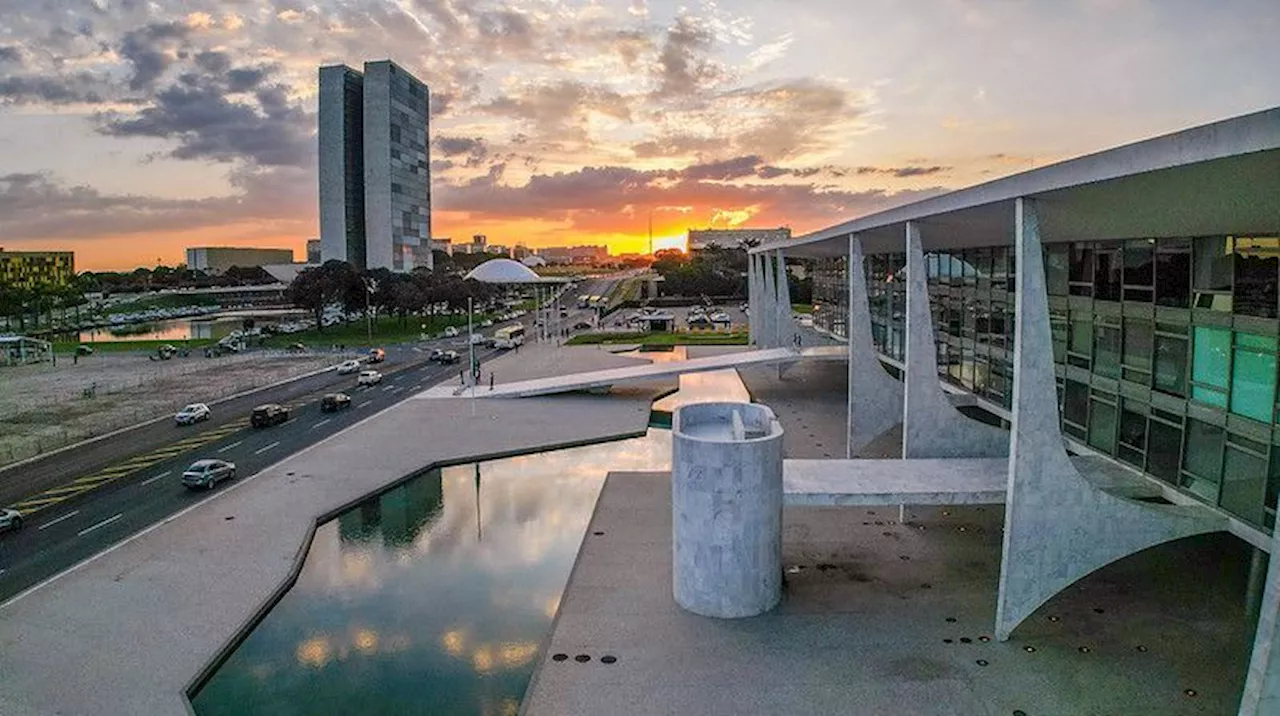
column 180, row 329
column 435, row 596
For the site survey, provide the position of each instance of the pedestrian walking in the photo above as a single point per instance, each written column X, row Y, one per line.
column 490, row 380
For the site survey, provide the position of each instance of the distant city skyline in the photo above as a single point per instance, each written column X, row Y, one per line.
column 146, row 128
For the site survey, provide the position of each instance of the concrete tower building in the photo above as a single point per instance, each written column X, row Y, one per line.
column 375, row 175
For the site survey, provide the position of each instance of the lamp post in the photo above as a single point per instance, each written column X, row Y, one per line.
column 369, row 287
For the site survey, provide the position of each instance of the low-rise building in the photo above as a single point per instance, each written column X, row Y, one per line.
column 217, row 259
column 699, row 239
column 313, row 251
column 32, row 268
column 442, row 244
column 574, row 254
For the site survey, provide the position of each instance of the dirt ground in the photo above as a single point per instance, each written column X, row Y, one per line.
column 43, row 407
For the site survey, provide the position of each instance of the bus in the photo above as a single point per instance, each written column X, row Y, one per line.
column 508, row 337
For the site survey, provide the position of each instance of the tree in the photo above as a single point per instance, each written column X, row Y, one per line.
column 333, row 282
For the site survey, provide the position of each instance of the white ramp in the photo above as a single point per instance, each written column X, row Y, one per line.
column 638, row 373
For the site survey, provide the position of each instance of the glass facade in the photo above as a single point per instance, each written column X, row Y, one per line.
column 1166, row 350
column 830, row 296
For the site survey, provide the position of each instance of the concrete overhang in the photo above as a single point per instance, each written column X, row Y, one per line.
column 1220, row 178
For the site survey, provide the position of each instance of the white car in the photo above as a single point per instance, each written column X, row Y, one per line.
column 486, row 323
column 348, row 367
column 369, row 377
column 477, row 339
column 10, row 520
column 451, row 332
column 193, row 413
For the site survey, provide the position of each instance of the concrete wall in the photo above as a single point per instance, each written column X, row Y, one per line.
column 377, row 165
column 332, row 163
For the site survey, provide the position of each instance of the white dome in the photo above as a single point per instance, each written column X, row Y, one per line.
column 503, row 271
column 532, row 261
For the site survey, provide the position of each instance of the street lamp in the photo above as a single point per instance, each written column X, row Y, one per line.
column 370, row 286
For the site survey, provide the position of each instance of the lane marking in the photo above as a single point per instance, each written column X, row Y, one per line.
column 231, row 446
column 51, row 523
column 150, row 480
column 103, row 523
column 322, row 422
column 290, row 420
column 89, row 479
column 363, row 404
column 389, row 387
column 261, row 450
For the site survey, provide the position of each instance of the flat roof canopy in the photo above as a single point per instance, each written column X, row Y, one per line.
column 1220, row 178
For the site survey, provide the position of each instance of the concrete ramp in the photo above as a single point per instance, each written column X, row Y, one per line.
column 639, row 373
column 922, row 481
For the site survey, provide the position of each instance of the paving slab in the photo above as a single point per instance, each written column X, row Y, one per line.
column 880, row 617
column 127, row 632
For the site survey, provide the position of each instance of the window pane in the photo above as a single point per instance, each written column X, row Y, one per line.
column 1081, row 335
column 1075, row 402
column 1138, row 276
column 1080, row 270
column 1253, row 376
column 1106, row 351
column 1133, row 425
column 1173, row 276
column 1211, row 354
column 1106, row 276
column 1055, row 270
column 1138, row 339
column 1164, row 450
column 1212, row 273
column 1244, row 485
column 1171, row 365
column 1203, row 459
column 1102, row 426
column 1256, row 267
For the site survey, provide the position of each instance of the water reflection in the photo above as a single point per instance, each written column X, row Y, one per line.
column 432, row 598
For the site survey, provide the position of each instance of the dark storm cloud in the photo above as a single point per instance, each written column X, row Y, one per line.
column 51, row 89
column 150, row 50
column 474, row 149
column 266, row 128
column 903, row 172
column 10, row 55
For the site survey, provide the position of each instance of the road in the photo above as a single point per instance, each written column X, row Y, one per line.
column 83, row 500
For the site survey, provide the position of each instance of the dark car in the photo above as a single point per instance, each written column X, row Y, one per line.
column 444, row 357
column 333, row 402
column 269, row 414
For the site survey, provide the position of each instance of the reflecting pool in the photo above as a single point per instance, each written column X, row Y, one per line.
column 431, row 598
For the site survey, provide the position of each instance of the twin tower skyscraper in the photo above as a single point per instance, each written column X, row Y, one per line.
column 375, row 167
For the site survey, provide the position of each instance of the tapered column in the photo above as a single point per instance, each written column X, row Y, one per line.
column 874, row 397
column 787, row 329
column 769, row 304
column 931, row 426
column 1059, row 527
column 753, row 301
column 1262, row 686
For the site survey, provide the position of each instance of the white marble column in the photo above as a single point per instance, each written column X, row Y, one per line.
column 753, row 301
column 931, row 426
column 1058, row 526
column 874, row 397
column 787, row 328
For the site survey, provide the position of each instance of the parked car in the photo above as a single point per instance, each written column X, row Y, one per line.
column 451, row 332
column 269, row 414
column 297, row 348
column 333, row 402
column 369, row 377
column 207, row 473
column 377, row 355
column 486, row 323
column 10, row 520
column 477, row 339
column 193, row 413
column 581, row 326
column 348, row 367
column 84, row 350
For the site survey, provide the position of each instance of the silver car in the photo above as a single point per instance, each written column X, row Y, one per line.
column 10, row 520
column 207, row 473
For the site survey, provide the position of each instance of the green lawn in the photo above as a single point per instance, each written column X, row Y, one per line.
column 802, row 307
column 735, row 338
column 386, row 330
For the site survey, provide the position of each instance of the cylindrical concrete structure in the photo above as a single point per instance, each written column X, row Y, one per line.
column 726, row 509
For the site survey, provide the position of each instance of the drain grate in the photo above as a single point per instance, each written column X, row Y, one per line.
column 984, row 639
column 926, row 585
column 1054, row 618
column 951, row 620
column 1085, row 650
column 582, row 658
column 559, row 657
column 1029, row 649
column 598, row 534
column 982, row 662
column 608, row 659
column 966, row 640
column 1140, row 648
column 1191, row 693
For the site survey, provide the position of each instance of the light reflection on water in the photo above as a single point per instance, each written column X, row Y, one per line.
column 433, row 597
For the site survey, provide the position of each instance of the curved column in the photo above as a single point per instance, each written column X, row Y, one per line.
column 874, row 397
column 1058, row 527
column 753, row 301
column 768, row 304
column 787, row 327
column 931, row 426
column 1262, row 686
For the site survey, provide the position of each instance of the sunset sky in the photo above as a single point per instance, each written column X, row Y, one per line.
column 131, row 129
